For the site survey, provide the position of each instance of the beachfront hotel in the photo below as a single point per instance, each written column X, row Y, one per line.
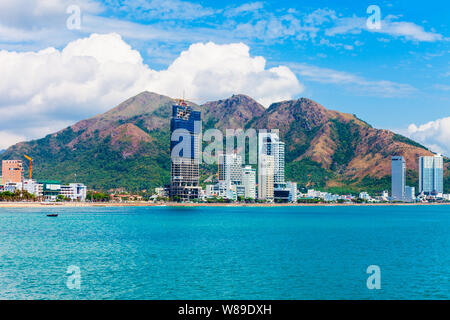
column 12, row 171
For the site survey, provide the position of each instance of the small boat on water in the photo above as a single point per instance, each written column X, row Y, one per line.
column 52, row 214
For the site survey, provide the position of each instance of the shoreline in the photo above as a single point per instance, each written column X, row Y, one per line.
column 147, row 204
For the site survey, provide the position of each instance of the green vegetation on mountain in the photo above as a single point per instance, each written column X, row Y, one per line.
column 128, row 146
column 346, row 137
column 307, row 173
column 400, row 138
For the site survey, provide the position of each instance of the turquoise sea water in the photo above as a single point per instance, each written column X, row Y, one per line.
column 226, row 253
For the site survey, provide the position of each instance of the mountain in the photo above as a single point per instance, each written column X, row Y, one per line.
column 337, row 151
column 1, row 151
column 231, row 113
column 128, row 146
column 124, row 147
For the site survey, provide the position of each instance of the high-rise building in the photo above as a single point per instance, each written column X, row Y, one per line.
column 270, row 166
column 431, row 175
column 272, row 146
column 12, row 171
column 410, row 194
column 398, row 178
column 266, row 169
column 230, row 168
column 185, row 127
column 249, row 182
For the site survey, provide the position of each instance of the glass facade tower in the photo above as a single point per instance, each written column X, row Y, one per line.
column 398, row 178
column 185, row 128
column 431, row 175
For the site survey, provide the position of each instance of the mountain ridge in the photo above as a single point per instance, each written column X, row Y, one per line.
column 128, row 146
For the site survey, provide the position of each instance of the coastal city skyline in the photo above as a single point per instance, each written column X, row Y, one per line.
column 236, row 178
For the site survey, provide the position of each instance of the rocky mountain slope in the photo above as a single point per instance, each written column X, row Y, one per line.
column 128, row 146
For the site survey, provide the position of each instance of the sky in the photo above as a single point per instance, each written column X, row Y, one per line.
column 64, row 61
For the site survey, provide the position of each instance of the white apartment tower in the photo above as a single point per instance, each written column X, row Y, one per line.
column 266, row 169
column 230, row 168
column 249, row 182
column 272, row 146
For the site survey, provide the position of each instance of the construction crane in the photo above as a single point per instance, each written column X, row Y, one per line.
column 31, row 165
column 182, row 102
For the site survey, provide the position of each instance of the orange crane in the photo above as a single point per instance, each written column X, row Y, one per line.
column 31, row 165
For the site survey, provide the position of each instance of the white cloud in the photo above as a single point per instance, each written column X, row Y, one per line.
column 409, row 31
column 272, row 28
column 46, row 90
column 35, row 14
column 355, row 83
column 208, row 71
column 163, row 9
column 443, row 87
column 403, row 29
column 434, row 134
column 320, row 16
column 33, row 24
column 8, row 138
column 243, row 9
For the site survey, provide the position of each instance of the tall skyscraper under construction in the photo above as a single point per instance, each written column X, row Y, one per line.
column 185, row 128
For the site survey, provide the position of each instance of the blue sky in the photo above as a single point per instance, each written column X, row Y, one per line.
column 396, row 77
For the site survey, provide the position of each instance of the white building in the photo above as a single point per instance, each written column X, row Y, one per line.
column 271, row 166
column 249, row 182
column 12, row 187
column 313, row 193
column 210, row 190
column 162, row 192
column 222, row 189
column 230, row 168
column 33, row 187
column 74, row 191
column 271, row 145
column 364, row 196
column 266, row 167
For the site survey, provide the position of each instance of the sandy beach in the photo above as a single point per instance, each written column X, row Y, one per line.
column 174, row 204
